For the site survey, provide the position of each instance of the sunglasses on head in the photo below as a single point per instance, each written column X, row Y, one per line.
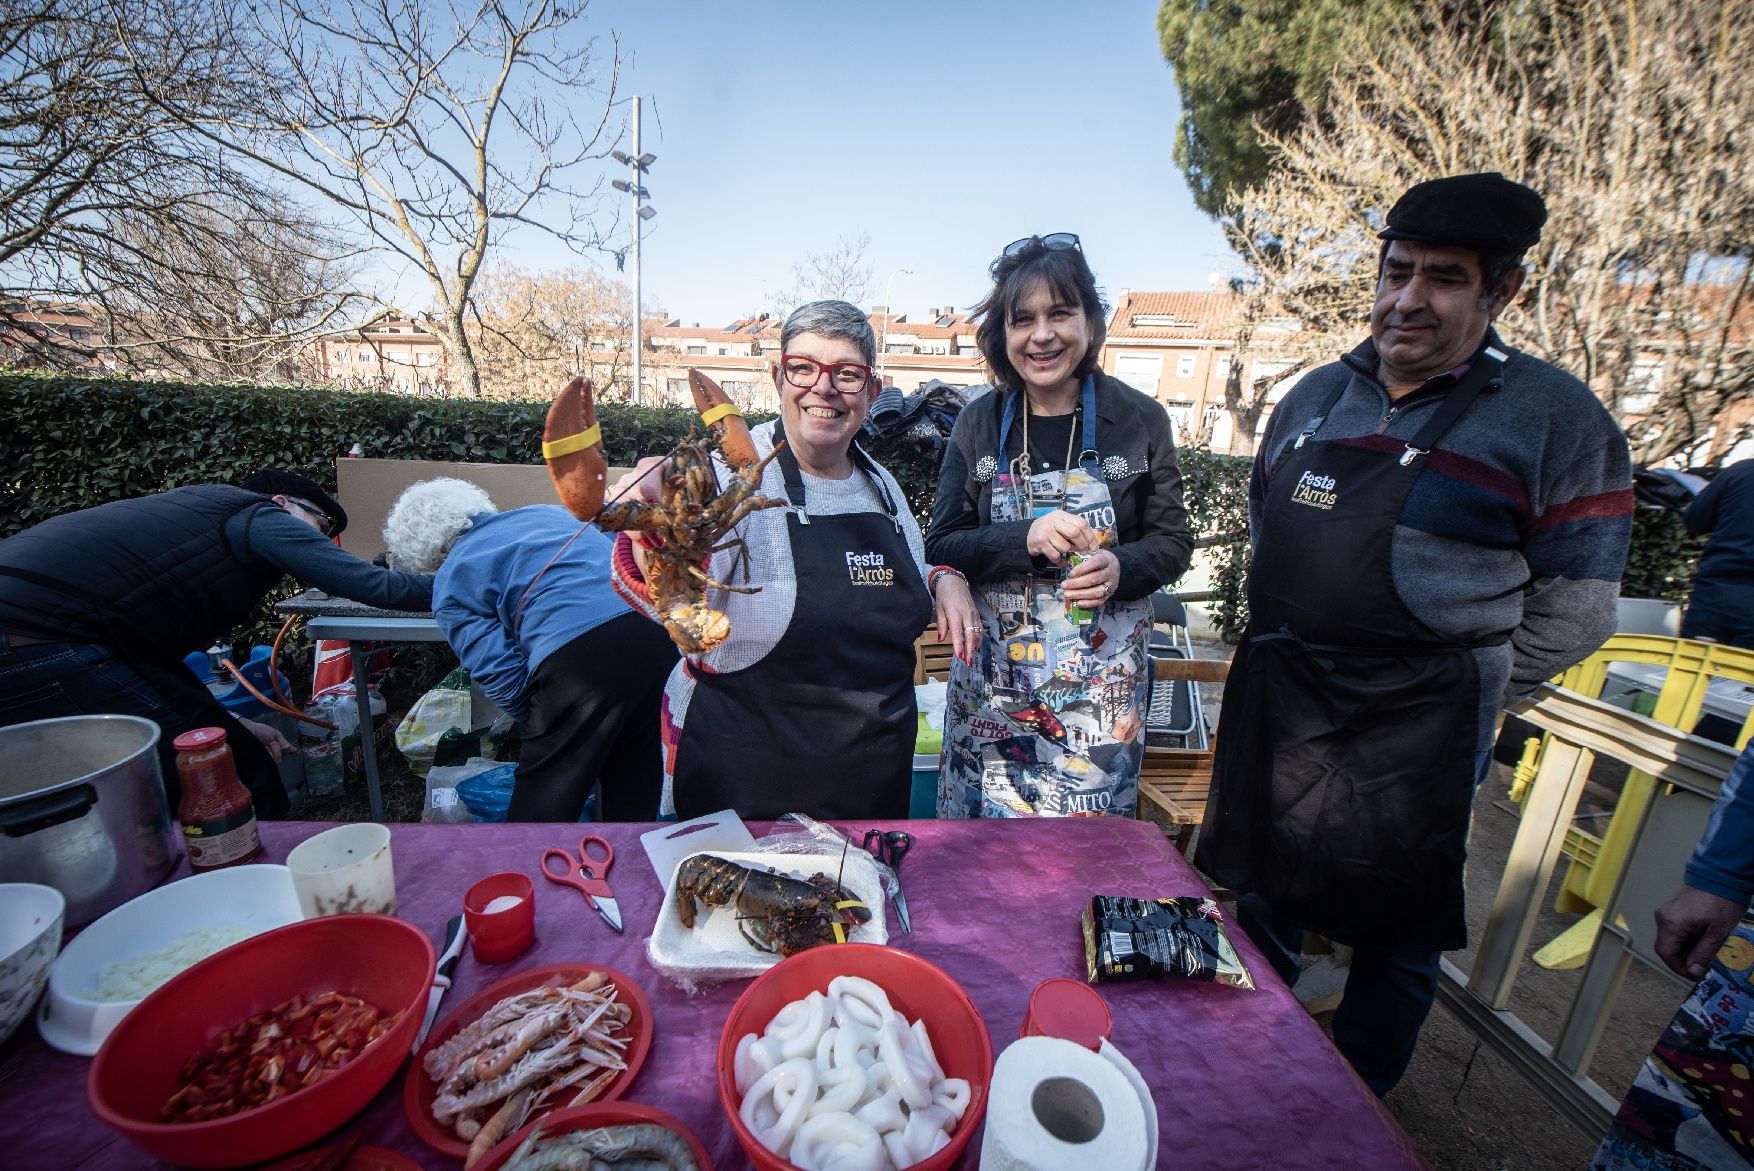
column 1053, row 242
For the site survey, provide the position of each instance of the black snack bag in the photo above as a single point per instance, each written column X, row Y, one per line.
column 1137, row 939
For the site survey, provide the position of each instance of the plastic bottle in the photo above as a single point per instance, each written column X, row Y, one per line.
column 321, row 747
column 352, row 747
column 1077, row 614
column 218, row 817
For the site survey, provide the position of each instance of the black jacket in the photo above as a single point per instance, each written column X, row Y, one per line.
column 1137, row 455
column 159, row 576
column 151, row 574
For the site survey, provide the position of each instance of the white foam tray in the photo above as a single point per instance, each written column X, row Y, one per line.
column 714, row 948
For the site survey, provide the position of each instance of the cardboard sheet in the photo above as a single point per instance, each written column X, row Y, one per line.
column 368, row 487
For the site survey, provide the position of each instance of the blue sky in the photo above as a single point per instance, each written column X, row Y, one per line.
column 972, row 124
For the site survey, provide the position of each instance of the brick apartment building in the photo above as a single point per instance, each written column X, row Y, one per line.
column 385, row 353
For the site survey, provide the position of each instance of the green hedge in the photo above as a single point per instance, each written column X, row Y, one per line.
column 69, row 443
column 1662, row 558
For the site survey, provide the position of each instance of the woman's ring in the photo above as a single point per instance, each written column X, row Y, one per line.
column 970, row 629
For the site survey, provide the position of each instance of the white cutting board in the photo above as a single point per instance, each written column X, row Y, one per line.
column 715, row 833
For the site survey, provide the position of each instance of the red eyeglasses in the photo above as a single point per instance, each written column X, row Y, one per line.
column 845, row 377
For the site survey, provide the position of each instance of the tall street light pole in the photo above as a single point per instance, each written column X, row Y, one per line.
column 888, row 312
column 636, row 163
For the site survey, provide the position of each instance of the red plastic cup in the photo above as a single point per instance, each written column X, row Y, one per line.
column 497, row 936
column 1068, row 1009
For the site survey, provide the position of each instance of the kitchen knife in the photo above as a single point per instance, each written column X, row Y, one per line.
column 441, row 979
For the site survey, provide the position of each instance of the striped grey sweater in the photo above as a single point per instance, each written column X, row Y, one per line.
column 1519, row 523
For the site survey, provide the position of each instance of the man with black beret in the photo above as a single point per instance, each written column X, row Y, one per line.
column 1439, row 525
column 98, row 607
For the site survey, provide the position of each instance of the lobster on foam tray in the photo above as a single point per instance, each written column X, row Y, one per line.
column 693, row 512
column 733, row 914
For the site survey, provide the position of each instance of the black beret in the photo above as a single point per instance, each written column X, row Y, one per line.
column 1484, row 211
column 275, row 482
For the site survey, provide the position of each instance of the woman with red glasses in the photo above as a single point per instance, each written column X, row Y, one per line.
column 808, row 705
column 1059, row 497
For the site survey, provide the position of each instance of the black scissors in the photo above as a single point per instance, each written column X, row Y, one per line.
column 890, row 846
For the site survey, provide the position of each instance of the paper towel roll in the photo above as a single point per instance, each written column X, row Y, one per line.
column 1056, row 1106
column 1146, row 1101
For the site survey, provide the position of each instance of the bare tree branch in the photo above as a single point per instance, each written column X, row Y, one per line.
column 1635, row 131
column 435, row 131
column 843, row 273
column 111, row 206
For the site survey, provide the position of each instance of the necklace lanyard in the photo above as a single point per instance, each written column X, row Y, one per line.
column 1087, row 455
column 1087, row 404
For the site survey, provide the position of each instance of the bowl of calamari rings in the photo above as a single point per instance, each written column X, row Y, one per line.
column 601, row 1135
column 268, row 1045
column 540, row 1040
column 857, row 1052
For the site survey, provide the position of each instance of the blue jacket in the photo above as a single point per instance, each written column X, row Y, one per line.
column 1723, row 863
column 1725, row 509
column 500, row 635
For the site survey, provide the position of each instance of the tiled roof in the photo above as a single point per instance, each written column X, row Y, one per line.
column 1175, row 315
column 926, row 327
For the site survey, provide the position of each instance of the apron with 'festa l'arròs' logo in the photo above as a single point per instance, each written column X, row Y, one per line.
column 824, row 723
column 1049, row 720
column 1344, row 774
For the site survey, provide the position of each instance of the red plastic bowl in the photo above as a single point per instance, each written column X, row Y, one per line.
column 418, row 1090
column 588, row 1117
column 381, row 960
column 917, row 989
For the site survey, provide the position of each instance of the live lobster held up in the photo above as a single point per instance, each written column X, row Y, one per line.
column 775, row 912
column 685, row 525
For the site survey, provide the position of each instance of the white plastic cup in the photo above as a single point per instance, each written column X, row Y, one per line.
column 345, row 870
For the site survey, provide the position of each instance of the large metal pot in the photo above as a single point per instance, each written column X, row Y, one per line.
column 82, row 809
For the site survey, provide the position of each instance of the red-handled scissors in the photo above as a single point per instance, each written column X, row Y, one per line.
column 589, row 875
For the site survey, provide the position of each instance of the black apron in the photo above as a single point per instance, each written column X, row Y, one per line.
column 1344, row 775
column 825, row 723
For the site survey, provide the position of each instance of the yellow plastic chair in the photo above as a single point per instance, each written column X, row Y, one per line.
column 1596, row 862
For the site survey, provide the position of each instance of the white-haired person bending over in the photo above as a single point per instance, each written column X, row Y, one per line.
column 523, row 597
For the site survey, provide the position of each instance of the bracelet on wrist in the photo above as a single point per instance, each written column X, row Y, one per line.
column 939, row 571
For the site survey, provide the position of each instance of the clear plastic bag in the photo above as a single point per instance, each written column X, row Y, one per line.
column 437, row 729
column 798, row 833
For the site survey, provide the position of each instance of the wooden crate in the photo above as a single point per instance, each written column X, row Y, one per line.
column 931, row 658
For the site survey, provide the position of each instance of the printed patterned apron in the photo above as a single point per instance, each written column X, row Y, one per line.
column 1691, row 1108
column 1049, row 721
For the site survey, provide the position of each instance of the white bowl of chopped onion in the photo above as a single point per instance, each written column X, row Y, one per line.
column 113, row 964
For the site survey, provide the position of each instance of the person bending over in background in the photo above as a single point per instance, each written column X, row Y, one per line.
column 98, row 607
column 523, row 597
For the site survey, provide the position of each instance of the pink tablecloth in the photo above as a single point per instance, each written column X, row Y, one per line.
column 1241, row 1079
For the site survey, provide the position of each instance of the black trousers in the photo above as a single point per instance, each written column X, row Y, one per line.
column 594, row 707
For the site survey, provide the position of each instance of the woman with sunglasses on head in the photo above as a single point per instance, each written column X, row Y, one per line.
column 808, row 705
column 1059, row 497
